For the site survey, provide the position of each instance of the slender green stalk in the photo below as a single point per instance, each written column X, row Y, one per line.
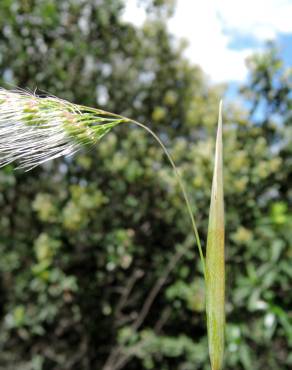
column 215, row 264
column 178, row 177
column 182, row 187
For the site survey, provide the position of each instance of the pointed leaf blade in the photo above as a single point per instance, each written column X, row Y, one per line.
column 215, row 264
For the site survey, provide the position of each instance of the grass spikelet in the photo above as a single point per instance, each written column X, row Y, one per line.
column 215, row 265
column 34, row 130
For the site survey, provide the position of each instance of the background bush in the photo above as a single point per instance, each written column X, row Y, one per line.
column 86, row 242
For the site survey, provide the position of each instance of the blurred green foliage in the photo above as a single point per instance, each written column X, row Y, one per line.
column 85, row 240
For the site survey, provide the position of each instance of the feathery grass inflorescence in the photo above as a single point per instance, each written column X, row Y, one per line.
column 34, row 130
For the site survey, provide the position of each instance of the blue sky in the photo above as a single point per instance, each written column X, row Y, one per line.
column 285, row 43
column 222, row 33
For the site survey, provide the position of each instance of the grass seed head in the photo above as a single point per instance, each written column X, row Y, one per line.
column 34, row 129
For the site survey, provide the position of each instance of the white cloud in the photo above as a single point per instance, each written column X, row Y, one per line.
column 133, row 13
column 208, row 44
column 261, row 19
column 210, row 26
